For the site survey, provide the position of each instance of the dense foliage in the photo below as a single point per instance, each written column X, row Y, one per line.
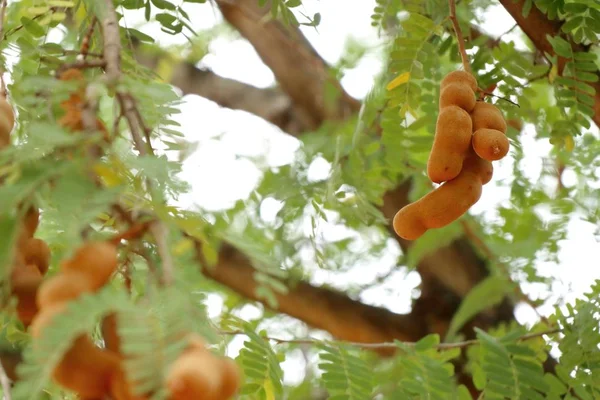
column 371, row 153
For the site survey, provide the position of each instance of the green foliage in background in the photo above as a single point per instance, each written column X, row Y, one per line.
column 387, row 143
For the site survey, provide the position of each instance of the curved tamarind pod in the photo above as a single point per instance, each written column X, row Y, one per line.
column 97, row 260
column 194, row 375
column 86, row 369
column 37, row 252
column 31, row 221
column 457, row 94
column 490, row 144
column 25, row 282
column 62, row 288
column 461, row 77
column 444, row 204
column 488, row 116
column 451, row 143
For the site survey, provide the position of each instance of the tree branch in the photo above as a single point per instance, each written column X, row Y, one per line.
column 271, row 104
column 300, row 71
column 320, row 308
column 537, row 26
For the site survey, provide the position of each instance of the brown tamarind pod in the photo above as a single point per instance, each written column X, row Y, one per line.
column 110, row 333
column 97, row 260
column 490, row 144
column 86, row 369
column 44, row 318
column 487, row 116
column 25, row 282
column 231, row 379
column 461, row 77
column 31, row 220
column 120, row 388
column 451, row 143
column 62, row 288
column 37, row 252
column 515, row 123
column 457, row 94
column 194, row 375
column 444, row 204
column 7, row 122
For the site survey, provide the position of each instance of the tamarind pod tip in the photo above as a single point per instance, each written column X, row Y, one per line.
column 407, row 223
column 490, row 144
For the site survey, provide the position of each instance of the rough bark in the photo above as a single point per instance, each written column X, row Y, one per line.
column 537, row 27
column 293, row 62
column 320, row 308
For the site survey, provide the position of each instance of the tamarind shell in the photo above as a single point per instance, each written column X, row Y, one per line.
column 63, row 288
column 487, row 116
column 490, row 144
column 97, row 260
column 451, row 143
column 37, row 252
column 444, row 204
column 457, row 94
column 195, row 375
column 86, row 369
column 461, row 77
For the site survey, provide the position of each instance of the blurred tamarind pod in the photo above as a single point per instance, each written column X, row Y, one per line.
column 37, row 252
column 25, row 282
column 198, row 373
column 7, row 122
column 73, row 118
column 96, row 260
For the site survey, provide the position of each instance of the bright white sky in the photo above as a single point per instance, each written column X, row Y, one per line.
column 218, row 179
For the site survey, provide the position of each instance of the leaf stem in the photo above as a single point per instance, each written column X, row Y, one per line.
column 441, row 346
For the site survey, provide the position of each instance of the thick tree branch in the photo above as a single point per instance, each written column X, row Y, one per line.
column 320, row 308
column 271, row 104
column 537, row 26
column 302, row 74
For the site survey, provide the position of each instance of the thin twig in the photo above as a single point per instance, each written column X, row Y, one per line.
column 459, row 36
column 112, row 44
column 499, row 97
column 5, row 381
column 112, row 56
column 160, row 233
column 441, row 346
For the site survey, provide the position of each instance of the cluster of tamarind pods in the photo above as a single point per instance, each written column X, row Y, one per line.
column 93, row 372
column 469, row 135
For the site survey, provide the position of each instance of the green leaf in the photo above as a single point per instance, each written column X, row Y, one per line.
column 486, row 294
column 428, row 342
column 163, row 4
column 560, row 46
column 33, row 27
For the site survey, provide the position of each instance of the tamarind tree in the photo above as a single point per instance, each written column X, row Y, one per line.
column 109, row 283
